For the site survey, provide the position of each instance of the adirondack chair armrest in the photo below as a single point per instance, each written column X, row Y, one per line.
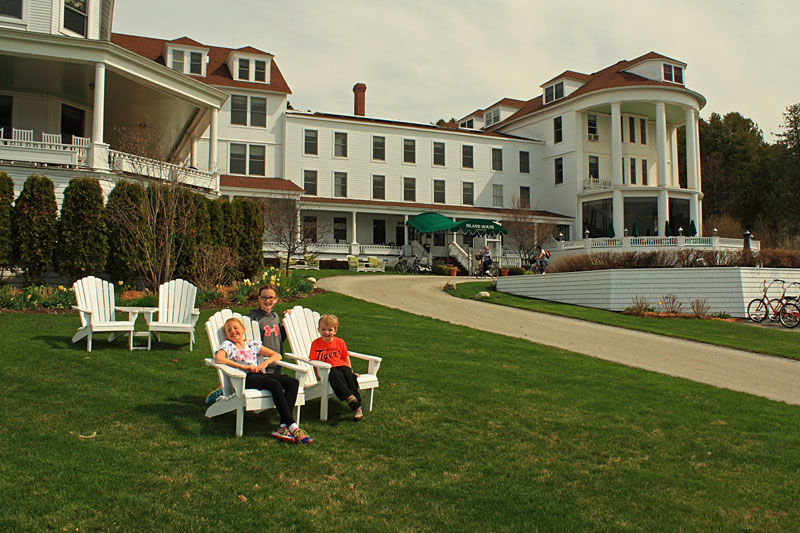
column 195, row 316
column 235, row 375
column 81, row 309
column 374, row 361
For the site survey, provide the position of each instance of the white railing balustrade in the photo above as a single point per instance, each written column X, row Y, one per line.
column 596, row 183
column 160, row 170
column 649, row 244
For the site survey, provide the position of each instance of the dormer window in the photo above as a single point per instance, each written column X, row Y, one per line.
column 673, row 73
column 468, row 124
column 260, row 71
column 75, row 16
column 186, row 61
column 492, row 117
column 554, row 92
column 195, row 63
column 11, row 8
column 244, row 69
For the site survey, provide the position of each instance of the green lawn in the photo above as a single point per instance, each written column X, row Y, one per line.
column 781, row 342
column 471, row 432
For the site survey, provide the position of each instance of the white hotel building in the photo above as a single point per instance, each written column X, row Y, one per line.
column 584, row 152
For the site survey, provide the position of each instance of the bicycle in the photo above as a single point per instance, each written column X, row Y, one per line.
column 790, row 314
column 764, row 307
column 480, row 272
column 402, row 265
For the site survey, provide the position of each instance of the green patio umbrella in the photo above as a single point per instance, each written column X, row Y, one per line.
column 667, row 230
column 692, row 229
column 635, row 231
column 611, row 229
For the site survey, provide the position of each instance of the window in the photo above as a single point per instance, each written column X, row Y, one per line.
column 497, row 195
column 632, row 129
column 622, row 129
column 409, row 151
column 468, row 124
column 6, row 103
column 438, row 239
column 409, row 189
column 497, row 159
column 244, row 69
column 310, row 142
column 557, row 130
column 310, row 228
column 438, row 191
column 379, row 148
column 492, row 117
column 11, row 8
column 633, row 171
column 554, row 92
column 466, row 156
column 195, row 63
column 559, row 170
column 238, row 159
column 667, row 72
column 260, row 70
column 673, row 73
column 257, row 160
column 643, row 130
column 340, row 184
column 378, row 187
column 524, row 162
column 678, row 74
column 339, row 229
column 258, row 112
column 438, row 154
column 525, row 197
column 468, row 193
column 644, row 171
column 75, row 17
column 594, row 167
column 339, row 144
column 177, row 60
column 310, row 182
column 591, row 127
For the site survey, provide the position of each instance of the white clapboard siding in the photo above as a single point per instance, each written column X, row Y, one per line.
column 725, row 289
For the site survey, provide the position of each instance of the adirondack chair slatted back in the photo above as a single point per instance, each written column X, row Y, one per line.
column 215, row 329
column 22, row 135
column 51, row 138
column 301, row 327
column 95, row 295
column 176, row 301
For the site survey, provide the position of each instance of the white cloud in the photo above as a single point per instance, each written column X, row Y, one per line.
column 428, row 59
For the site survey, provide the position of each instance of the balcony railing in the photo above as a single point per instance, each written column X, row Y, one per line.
column 590, row 184
column 160, row 170
column 44, row 153
column 641, row 244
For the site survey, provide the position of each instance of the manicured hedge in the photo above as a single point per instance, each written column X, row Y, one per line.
column 34, row 227
column 82, row 239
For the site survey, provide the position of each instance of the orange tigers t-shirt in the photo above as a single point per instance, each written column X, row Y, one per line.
column 334, row 353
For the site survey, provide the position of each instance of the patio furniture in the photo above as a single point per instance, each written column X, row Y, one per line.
column 95, row 306
column 235, row 397
column 176, row 311
column 301, row 329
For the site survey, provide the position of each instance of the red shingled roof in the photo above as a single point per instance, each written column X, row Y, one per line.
column 569, row 74
column 267, row 184
column 609, row 77
column 217, row 72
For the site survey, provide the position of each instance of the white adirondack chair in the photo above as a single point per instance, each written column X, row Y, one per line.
column 235, row 397
column 176, row 311
column 95, row 299
column 301, row 329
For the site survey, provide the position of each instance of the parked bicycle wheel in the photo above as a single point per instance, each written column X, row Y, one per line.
column 774, row 311
column 790, row 315
column 757, row 310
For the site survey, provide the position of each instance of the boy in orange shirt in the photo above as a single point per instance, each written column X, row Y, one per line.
column 332, row 350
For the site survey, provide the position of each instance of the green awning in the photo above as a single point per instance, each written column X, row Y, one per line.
column 430, row 223
column 478, row 226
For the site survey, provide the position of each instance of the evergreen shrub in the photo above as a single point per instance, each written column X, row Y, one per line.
column 82, row 238
column 6, row 241
column 34, row 227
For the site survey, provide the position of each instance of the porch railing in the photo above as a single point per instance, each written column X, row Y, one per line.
column 160, row 170
column 596, row 183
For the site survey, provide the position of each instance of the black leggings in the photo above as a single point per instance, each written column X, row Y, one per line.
column 283, row 389
column 344, row 382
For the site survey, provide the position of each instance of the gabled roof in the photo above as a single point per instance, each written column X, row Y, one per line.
column 506, row 102
column 267, row 184
column 251, row 50
column 217, row 72
column 569, row 75
column 608, row 78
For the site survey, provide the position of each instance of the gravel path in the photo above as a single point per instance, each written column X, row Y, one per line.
column 769, row 377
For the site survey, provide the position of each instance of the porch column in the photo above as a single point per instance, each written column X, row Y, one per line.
column 405, row 230
column 212, row 141
column 193, row 159
column 353, row 218
column 674, row 170
column 691, row 149
column 99, row 102
column 616, row 146
column 663, row 211
column 661, row 143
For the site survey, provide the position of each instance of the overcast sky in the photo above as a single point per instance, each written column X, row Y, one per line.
column 428, row 59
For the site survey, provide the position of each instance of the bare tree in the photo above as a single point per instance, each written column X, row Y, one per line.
column 284, row 226
column 524, row 232
column 153, row 230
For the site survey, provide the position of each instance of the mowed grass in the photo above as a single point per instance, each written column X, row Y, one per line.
column 781, row 342
column 471, row 432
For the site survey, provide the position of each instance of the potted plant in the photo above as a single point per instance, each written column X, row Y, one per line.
column 504, row 272
column 453, row 271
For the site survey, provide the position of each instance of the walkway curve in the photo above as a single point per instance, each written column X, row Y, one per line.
column 769, row 377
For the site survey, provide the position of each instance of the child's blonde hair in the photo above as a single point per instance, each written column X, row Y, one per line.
column 232, row 319
column 329, row 320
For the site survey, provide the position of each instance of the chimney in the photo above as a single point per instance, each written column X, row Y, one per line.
column 358, row 99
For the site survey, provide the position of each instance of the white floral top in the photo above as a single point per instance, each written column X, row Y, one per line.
column 245, row 356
